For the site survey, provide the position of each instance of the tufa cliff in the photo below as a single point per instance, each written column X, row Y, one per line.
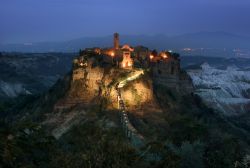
column 94, row 81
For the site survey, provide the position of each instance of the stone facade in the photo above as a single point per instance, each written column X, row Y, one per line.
column 127, row 62
column 168, row 66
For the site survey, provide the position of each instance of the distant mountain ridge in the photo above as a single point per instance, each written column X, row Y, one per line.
column 215, row 40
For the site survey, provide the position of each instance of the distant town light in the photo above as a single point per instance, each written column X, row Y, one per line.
column 123, row 65
column 129, row 64
column 151, row 56
column 112, row 54
column 81, row 64
column 170, row 51
column 187, row 49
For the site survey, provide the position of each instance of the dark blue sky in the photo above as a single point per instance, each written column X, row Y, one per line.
column 57, row 20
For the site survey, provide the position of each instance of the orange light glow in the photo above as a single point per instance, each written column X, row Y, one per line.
column 123, row 65
column 151, row 56
column 129, row 64
column 165, row 56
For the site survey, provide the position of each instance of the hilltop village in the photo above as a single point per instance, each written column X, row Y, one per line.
column 162, row 64
column 97, row 72
column 128, row 57
column 128, row 103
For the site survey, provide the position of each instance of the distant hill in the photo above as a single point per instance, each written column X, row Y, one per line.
column 207, row 40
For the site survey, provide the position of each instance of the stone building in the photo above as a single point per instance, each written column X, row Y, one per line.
column 125, row 56
column 141, row 52
column 165, row 63
column 121, row 55
column 164, row 66
column 127, row 61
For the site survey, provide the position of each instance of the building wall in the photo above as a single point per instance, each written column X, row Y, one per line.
column 127, row 61
column 166, row 67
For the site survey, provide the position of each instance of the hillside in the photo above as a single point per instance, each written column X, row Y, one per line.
column 226, row 90
column 77, row 123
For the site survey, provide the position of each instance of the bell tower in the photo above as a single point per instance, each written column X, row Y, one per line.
column 116, row 41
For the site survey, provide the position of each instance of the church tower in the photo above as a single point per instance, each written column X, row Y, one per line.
column 116, row 41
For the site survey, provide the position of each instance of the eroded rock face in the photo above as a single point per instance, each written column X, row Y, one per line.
column 225, row 90
column 170, row 75
column 84, row 87
column 139, row 97
column 94, row 83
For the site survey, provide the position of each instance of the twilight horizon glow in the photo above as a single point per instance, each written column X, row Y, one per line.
column 59, row 20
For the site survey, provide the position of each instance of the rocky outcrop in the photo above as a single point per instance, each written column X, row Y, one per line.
column 169, row 74
column 139, row 97
column 85, row 87
column 181, row 82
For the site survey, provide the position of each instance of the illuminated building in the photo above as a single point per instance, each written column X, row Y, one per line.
column 128, row 57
